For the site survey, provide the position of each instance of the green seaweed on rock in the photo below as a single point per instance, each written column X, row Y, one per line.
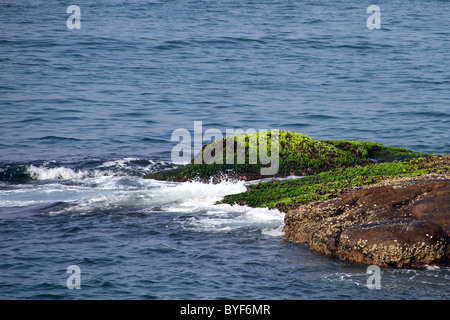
column 299, row 155
column 289, row 194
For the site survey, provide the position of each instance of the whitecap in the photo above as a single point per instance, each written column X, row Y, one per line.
column 42, row 173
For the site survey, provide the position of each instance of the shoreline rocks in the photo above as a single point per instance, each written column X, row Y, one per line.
column 402, row 222
column 395, row 243
column 360, row 201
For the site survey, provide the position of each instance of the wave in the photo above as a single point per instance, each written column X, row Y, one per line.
column 52, row 170
column 107, row 188
column 200, row 213
column 40, row 173
column 117, row 186
column 56, row 138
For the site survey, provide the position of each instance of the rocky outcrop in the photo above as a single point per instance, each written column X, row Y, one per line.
column 360, row 201
column 402, row 222
column 297, row 155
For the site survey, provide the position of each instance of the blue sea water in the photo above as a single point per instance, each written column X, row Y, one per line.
column 85, row 113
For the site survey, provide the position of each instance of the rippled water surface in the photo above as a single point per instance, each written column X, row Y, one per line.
column 85, row 113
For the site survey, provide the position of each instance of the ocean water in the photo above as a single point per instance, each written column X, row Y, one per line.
column 86, row 113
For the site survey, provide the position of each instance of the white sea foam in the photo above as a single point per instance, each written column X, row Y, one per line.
column 97, row 191
column 195, row 196
column 42, row 173
column 27, row 195
column 199, row 200
column 18, row 203
column 274, row 232
column 224, row 218
column 121, row 167
column 63, row 173
column 433, row 268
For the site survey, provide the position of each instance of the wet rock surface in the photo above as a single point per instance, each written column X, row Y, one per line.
column 402, row 222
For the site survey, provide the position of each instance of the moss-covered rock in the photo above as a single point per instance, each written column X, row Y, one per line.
column 298, row 155
column 289, row 194
column 374, row 151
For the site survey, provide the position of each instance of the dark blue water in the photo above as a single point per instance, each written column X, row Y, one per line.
column 85, row 113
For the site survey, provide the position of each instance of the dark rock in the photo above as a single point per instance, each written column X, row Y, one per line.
column 400, row 223
column 435, row 208
column 398, row 242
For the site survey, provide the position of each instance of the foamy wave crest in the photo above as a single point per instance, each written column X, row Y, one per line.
column 199, row 200
column 193, row 204
column 196, row 196
column 134, row 166
column 64, row 173
column 226, row 218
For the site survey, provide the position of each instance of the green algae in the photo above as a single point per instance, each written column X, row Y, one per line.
column 374, row 150
column 289, row 194
column 238, row 157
